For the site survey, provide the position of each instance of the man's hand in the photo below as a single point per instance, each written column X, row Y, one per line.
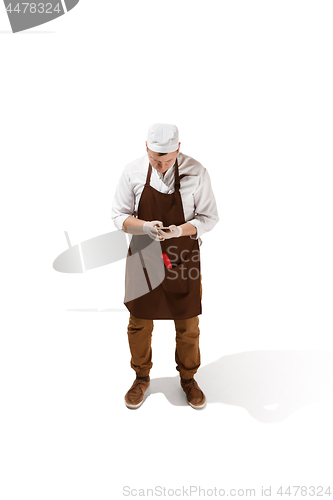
column 150, row 228
column 175, row 232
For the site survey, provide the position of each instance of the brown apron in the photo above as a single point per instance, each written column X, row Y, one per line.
column 178, row 296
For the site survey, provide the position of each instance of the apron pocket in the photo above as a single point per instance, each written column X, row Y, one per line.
column 176, row 279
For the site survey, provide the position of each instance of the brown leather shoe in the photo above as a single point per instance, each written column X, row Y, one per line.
column 134, row 396
column 195, row 396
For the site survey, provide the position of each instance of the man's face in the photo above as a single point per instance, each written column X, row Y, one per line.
column 162, row 163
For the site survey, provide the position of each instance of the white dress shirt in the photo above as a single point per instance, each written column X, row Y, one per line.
column 196, row 192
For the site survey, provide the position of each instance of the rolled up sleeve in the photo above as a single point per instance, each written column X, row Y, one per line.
column 123, row 202
column 206, row 215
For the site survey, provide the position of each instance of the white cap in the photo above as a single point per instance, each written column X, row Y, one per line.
column 163, row 138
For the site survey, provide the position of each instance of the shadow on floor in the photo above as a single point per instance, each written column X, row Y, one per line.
column 270, row 385
column 7, row 32
column 94, row 309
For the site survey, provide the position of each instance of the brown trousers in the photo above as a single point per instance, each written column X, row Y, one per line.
column 187, row 354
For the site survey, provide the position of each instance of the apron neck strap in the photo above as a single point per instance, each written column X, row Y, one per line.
column 148, row 176
column 177, row 179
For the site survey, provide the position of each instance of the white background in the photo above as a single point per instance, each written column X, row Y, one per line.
column 249, row 85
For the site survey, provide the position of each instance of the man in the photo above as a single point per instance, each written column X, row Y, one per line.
column 165, row 188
